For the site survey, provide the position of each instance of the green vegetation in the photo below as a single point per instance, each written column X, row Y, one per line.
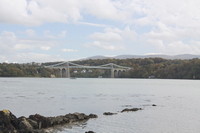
column 154, row 67
column 143, row 68
column 25, row 70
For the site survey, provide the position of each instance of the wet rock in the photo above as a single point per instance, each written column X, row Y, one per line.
column 81, row 116
column 43, row 122
column 133, row 109
column 93, row 116
column 109, row 113
column 75, row 117
column 8, row 122
column 24, row 124
column 56, row 120
column 36, row 123
column 89, row 132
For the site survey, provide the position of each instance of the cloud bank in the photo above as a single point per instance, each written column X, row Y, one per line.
column 151, row 26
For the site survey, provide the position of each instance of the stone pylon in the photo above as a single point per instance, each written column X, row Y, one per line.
column 67, row 70
column 112, row 71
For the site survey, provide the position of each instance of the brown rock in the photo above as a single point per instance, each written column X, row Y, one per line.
column 93, row 116
column 8, row 121
column 43, row 122
column 89, row 132
column 109, row 113
column 133, row 109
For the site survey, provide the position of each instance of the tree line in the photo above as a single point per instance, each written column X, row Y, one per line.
column 25, row 70
column 142, row 68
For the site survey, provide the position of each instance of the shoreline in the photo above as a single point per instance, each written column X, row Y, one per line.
column 40, row 124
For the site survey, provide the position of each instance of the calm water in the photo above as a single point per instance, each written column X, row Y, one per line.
column 177, row 110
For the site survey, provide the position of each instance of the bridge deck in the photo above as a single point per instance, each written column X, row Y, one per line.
column 92, row 67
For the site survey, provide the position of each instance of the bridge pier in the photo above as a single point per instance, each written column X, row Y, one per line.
column 65, row 71
column 116, row 73
column 61, row 73
column 112, row 73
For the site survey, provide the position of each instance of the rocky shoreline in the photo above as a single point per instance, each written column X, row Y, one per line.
column 9, row 123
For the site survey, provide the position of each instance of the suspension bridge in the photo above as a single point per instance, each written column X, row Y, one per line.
column 64, row 68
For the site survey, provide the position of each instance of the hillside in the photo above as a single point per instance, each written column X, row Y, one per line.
column 142, row 68
column 181, row 56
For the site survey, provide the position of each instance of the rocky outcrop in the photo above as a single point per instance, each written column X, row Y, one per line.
column 8, row 121
column 133, row 109
column 35, row 123
column 89, row 132
column 109, row 113
column 93, row 116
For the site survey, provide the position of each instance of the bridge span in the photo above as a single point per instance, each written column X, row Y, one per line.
column 64, row 68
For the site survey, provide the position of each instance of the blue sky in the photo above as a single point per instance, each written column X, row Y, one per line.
column 50, row 30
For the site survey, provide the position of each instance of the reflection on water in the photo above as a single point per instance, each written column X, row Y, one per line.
column 177, row 110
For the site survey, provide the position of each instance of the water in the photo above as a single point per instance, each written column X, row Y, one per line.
column 177, row 110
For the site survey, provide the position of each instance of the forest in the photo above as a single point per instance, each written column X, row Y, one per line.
column 141, row 68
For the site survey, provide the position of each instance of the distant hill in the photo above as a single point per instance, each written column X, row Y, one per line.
column 181, row 56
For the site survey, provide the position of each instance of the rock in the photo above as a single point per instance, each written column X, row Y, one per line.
column 154, row 105
column 43, row 122
column 8, row 122
column 36, row 123
column 90, row 132
column 81, row 116
column 76, row 117
column 93, row 116
column 57, row 120
column 24, row 124
column 109, row 113
column 133, row 109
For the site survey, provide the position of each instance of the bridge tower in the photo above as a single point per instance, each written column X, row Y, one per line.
column 112, row 71
column 64, row 71
column 67, row 70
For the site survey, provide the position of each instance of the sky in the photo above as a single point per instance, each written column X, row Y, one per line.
column 65, row 30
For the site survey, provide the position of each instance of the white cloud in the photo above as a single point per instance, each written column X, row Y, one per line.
column 11, row 46
column 13, row 11
column 168, row 26
column 35, row 44
column 105, row 46
column 62, row 34
column 30, row 33
column 36, row 12
column 45, row 48
column 93, row 24
column 7, row 42
column 21, row 46
column 68, row 50
column 106, row 9
column 181, row 13
column 107, row 37
column 8, row 38
column 30, row 57
column 153, row 54
column 112, row 38
column 47, row 34
column 176, row 47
